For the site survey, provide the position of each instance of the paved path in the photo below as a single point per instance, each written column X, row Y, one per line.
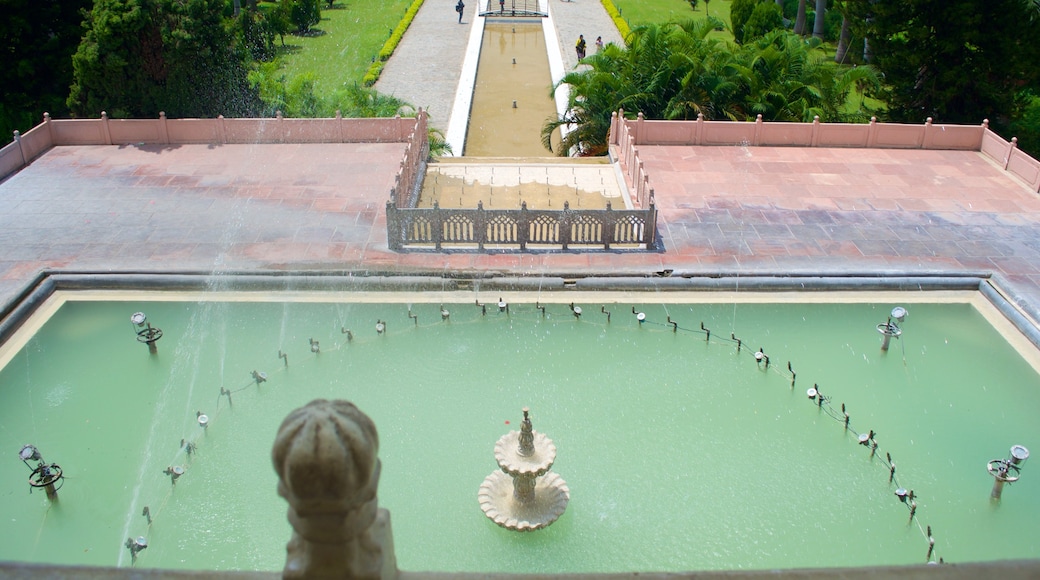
column 425, row 70
column 320, row 207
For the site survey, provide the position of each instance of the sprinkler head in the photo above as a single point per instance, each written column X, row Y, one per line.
column 901, row 494
column 29, row 452
column 380, row 326
column 136, row 545
column 759, row 356
column 138, row 319
column 444, row 313
column 641, row 317
column 1019, row 454
column 811, row 393
column 899, row 313
column 203, row 420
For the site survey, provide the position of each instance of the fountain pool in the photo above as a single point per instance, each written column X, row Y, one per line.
column 680, row 452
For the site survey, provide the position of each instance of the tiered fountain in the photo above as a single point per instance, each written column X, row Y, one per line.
column 524, row 495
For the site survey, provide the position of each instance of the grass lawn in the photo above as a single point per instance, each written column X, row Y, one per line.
column 638, row 12
column 351, row 34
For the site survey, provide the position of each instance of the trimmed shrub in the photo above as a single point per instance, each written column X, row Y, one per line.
column 615, row 15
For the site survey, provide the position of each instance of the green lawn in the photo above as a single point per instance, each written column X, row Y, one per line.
column 351, row 34
column 638, row 12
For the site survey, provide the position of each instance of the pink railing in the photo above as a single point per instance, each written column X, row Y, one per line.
column 404, row 192
column 626, row 135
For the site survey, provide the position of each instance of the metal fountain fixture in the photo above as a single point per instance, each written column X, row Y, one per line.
column 524, row 495
column 45, row 475
column 145, row 332
column 890, row 329
column 1006, row 470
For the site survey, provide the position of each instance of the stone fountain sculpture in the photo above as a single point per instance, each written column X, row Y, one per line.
column 325, row 455
column 524, row 495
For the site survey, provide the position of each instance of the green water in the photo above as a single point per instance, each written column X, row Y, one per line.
column 680, row 453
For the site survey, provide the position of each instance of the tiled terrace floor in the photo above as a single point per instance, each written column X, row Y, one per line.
column 724, row 210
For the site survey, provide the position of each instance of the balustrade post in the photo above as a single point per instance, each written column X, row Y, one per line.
column 480, row 223
column 164, row 130
column 872, row 133
column 609, row 226
column 523, row 233
column 756, row 140
column 926, row 136
column 437, row 223
column 105, row 133
column 393, row 225
column 650, row 226
column 814, row 141
column 326, row 457
column 565, row 225
column 18, row 141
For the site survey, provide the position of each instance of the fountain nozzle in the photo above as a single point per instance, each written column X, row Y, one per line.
column 1006, row 470
column 136, row 545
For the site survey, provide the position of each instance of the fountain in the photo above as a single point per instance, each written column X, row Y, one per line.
column 47, row 476
column 679, row 399
column 524, row 495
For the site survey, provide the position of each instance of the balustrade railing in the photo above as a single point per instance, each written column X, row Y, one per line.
column 520, row 229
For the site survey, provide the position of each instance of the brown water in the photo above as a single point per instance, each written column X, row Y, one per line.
column 513, row 67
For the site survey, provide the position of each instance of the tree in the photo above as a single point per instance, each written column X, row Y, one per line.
column 739, row 12
column 140, row 57
column 303, row 14
column 799, row 21
column 819, row 20
column 957, row 61
column 37, row 40
column 675, row 71
column 765, row 18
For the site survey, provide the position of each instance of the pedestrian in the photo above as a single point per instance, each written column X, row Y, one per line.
column 501, row 5
column 579, row 47
column 458, row 8
column 599, row 43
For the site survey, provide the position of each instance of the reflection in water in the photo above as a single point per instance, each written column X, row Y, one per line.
column 511, row 97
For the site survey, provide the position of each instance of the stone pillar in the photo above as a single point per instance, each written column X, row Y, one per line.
column 325, row 455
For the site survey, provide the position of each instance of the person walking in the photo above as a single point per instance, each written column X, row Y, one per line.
column 579, row 47
column 599, row 43
column 459, row 7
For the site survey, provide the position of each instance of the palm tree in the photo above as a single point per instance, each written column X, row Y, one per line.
column 818, row 20
column 799, row 21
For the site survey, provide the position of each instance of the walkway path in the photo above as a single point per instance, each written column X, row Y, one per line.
column 425, row 70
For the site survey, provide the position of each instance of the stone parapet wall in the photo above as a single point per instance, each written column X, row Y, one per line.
column 219, row 131
column 626, row 135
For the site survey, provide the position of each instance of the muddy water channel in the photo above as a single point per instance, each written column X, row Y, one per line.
column 513, row 69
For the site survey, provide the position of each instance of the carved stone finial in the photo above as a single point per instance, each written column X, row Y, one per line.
column 526, row 446
column 325, row 455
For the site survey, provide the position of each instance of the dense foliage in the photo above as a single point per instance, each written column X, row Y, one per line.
column 37, row 39
column 140, row 57
column 957, row 61
column 676, row 72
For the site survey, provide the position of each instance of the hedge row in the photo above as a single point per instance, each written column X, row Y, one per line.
column 376, row 68
column 615, row 15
